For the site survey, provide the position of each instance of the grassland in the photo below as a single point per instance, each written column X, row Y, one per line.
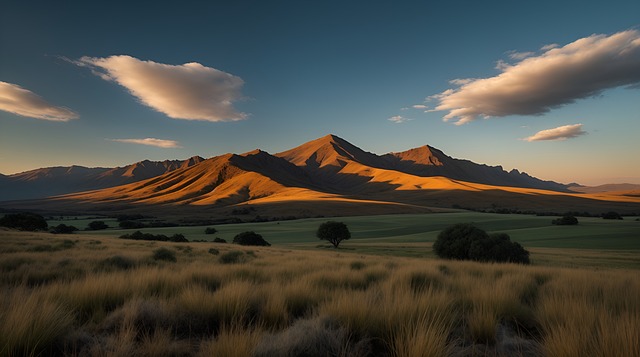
column 96, row 295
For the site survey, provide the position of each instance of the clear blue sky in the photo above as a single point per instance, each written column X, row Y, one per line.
column 88, row 81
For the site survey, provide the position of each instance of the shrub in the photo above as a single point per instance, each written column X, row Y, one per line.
column 164, row 254
column 498, row 247
column 250, row 238
column 24, row 221
column 210, row 230
column 231, row 257
column 63, row 229
column 117, row 262
column 454, row 242
column 97, row 225
column 467, row 242
column 179, row 238
column 611, row 215
column 566, row 220
column 214, row 251
column 334, row 232
column 219, row 240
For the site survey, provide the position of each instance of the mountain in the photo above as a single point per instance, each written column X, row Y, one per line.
column 53, row 181
column 326, row 176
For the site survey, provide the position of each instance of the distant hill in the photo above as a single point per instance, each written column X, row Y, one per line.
column 326, row 176
column 52, row 181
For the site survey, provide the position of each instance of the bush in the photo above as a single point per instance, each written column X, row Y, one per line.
column 137, row 235
column 611, row 215
column 219, row 240
column 178, row 238
column 24, row 221
column 97, row 225
column 250, row 238
column 116, row 262
column 210, row 230
column 498, row 247
column 214, row 251
column 334, row 232
column 231, row 257
column 164, row 254
column 566, row 220
column 467, row 242
column 454, row 241
column 63, row 229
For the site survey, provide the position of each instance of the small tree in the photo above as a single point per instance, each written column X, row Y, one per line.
column 250, row 238
column 210, row 230
column 63, row 229
column 334, row 232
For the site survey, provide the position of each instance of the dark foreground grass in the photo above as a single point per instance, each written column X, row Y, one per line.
column 110, row 297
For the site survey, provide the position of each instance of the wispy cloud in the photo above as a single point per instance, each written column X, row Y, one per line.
column 556, row 77
column 167, row 144
column 398, row 119
column 419, row 106
column 520, row 55
column 559, row 133
column 190, row 91
column 17, row 100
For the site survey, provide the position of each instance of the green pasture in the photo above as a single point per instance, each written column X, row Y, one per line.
column 530, row 231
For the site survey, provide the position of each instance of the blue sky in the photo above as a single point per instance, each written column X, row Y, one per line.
column 94, row 80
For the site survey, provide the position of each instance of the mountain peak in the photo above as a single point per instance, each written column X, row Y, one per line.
column 423, row 155
column 329, row 150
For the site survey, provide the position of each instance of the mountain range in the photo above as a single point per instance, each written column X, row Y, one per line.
column 326, row 176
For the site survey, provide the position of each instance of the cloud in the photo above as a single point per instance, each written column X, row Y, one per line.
column 554, row 78
column 549, row 46
column 17, row 100
column 559, row 133
column 399, row 119
column 190, row 91
column 167, row 144
column 419, row 106
column 520, row 55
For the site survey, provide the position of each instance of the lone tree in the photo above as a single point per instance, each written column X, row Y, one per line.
column 97, row 225
column 334, row 232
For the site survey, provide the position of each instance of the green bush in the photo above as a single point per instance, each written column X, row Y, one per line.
column 466, row 242
column 97, row 225
column 250, row 238
column 210, row 230
column 567, row 220
column 214, row 251
column 63, row 229
column 454, row 241
column 164, row 254
column 219, row 240
column 24, row 221
column 231, row 257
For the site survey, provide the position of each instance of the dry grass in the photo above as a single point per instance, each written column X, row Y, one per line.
column 284, row 301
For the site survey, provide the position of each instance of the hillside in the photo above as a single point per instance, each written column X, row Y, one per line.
column 327, row 176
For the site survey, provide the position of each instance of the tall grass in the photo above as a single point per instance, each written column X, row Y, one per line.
column 99, row 306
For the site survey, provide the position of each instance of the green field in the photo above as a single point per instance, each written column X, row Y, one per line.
column 595, row 242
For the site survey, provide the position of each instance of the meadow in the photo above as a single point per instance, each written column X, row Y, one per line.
column 98, row 295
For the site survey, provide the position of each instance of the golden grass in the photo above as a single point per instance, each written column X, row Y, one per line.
column 395, row 306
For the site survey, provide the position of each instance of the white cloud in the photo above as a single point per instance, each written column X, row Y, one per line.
column 167, row 144
column 399, row 119
column 556, row 77
column 419, row 106
column 520, row 55
column 559, row 133
column 17, row 100
column 190, row 91
column 549, row 46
